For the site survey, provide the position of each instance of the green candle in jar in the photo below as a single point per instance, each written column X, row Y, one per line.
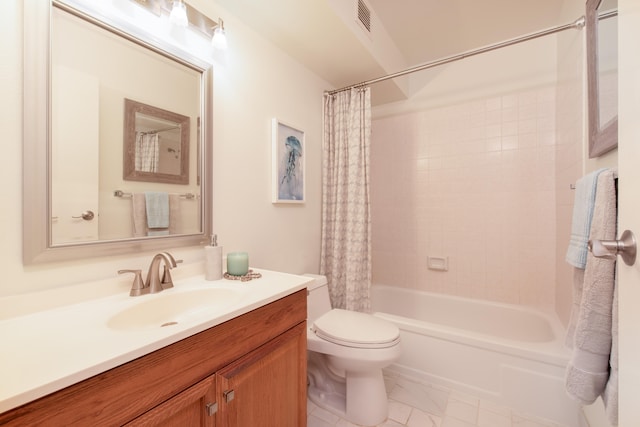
column 237, row 263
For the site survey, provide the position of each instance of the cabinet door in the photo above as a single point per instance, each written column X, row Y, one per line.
column 193, row 407
column 267, row 387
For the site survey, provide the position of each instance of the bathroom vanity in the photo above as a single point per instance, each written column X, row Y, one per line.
column 246, row 371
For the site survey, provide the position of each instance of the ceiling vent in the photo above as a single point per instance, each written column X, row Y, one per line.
column 364, row 15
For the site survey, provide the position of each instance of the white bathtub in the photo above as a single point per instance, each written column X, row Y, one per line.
column 508, row 354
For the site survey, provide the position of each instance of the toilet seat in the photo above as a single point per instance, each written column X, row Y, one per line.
column 354, row 329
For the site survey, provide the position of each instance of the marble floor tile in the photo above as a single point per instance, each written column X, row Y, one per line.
column 462, row 410
column 416, row 404
column 419, row 418
column 421, row 396
column 399, row 411
column 455, row 422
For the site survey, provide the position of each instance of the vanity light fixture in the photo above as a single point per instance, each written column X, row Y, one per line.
column 182, row 14
column 219, row 39
column 178, row 15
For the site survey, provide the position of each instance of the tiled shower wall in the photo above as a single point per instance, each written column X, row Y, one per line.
column 472, row 183
column 569, row 165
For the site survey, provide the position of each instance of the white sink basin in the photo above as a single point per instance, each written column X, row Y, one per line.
column 166, row 310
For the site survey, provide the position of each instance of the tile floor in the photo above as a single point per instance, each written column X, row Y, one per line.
column 415, row 404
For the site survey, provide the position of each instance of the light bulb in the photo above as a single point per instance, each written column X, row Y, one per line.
column 178, row 14
column 219, row 40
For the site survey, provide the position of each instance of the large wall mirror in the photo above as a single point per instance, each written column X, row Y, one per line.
column 602, row 74
column 116, row 138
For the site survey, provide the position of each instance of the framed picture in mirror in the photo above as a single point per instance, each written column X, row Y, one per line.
column 156, row 144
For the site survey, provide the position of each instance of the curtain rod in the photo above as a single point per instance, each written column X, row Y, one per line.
column 577, row 24
column 160, row 130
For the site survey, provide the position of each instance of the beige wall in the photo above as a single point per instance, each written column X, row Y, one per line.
column 253, row 83
column 466, row 170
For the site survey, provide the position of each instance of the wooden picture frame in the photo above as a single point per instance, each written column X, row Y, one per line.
column 142, row 119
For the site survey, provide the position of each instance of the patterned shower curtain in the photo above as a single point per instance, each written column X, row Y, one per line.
column 147, row 152
column 345, row 256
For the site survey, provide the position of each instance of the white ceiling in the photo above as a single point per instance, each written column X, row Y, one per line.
column 321, row 35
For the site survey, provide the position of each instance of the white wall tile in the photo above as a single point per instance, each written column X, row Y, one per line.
column 484, row 169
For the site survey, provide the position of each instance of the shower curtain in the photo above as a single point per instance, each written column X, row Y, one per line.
column 147, row 152
column 345, row 256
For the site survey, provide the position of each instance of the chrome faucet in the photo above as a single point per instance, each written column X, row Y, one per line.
column 154, row 282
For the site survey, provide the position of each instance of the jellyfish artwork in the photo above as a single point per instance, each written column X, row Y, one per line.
column 291, row 183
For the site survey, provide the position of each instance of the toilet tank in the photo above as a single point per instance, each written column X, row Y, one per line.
column 318, row 301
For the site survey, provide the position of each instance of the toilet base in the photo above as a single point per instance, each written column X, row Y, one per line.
column 360, row 398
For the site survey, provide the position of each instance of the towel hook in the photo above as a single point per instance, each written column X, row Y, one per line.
column 608, row 249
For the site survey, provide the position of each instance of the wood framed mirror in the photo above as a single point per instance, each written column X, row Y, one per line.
column 602, row 75
column 156, row 144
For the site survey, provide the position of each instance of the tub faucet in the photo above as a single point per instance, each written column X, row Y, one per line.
column 154, row 282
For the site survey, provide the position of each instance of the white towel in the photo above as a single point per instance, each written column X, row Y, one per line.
column 578, row 284
column 610, row 395
column 581, row 221
column 588, row 370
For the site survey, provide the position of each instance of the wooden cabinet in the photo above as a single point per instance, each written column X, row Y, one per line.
column 247, row 372
column 259, row 389
column 196, row 406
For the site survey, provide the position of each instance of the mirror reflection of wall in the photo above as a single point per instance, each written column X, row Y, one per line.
column 93, row 70
column 607, row 63
column 602, row 75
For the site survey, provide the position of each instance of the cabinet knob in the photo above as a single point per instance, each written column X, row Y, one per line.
column 229, row 395
column 212, row 408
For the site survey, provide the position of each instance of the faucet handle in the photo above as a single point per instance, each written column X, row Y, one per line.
column 138, row 285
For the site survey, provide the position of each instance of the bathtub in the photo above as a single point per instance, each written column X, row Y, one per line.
column 510, row 355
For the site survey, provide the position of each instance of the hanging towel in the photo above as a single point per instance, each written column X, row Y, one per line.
column 139, row 212
column 578, row 283
column 610, row 395
column 588, row 370
column 581, row 222
column 139, row 216
column 157, row 209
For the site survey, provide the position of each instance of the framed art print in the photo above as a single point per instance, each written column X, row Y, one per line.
column 288, row 154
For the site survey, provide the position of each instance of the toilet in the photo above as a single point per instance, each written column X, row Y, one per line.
column 346, row 353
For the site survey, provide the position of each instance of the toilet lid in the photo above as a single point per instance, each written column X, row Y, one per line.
column 354, row 329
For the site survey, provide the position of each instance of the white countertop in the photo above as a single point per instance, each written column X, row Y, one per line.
column 47, row 350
